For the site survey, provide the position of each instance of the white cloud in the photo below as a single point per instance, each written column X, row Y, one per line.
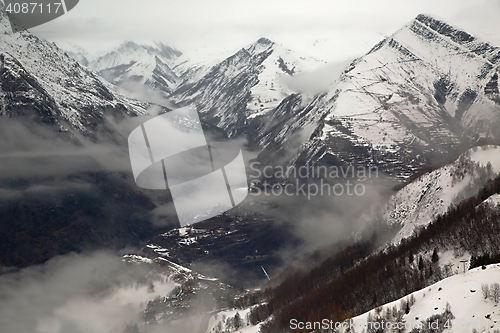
column 77, row 293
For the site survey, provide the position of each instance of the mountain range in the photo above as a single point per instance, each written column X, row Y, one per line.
column 417, row 106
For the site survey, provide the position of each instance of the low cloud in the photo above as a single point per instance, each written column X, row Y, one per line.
column 317, row 81
column 79, row 294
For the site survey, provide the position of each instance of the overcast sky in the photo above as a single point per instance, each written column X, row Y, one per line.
column 328, row 29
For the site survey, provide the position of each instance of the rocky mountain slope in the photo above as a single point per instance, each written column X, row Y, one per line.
column 76, row 52
column 41, row 81
column 235, row 93
column 233, row 246
column 416, row 98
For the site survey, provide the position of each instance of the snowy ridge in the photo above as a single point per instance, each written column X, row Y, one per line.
column 130, row 51
column 245, row 86
column 421, row 201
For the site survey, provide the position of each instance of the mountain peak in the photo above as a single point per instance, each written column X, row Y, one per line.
column 128, row 45
column 265, row 41
column 261, row 45
column 456, row 34
column 148, row 62
column 165, row 49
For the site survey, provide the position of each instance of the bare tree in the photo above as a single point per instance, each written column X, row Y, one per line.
column 495, row 292
column 238, row 322
column 412, row 300
column 395, row 311
column 388, row 314
column 485, row 288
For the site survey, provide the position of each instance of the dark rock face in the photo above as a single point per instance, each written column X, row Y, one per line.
column 105, row 212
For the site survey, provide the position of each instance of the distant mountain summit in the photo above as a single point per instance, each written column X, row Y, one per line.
column 238, row 92
column 151, row 65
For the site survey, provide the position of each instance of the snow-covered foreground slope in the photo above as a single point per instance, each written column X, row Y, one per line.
column 224, row 322
column 463, row 293
column 432, row 194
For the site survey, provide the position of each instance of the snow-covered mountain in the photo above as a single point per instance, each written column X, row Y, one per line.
column 246, row 86
column 76, row 52
column 151, row 64
column 416, row 97
column 494, row 200
column 39, row 80
column 57, row 127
